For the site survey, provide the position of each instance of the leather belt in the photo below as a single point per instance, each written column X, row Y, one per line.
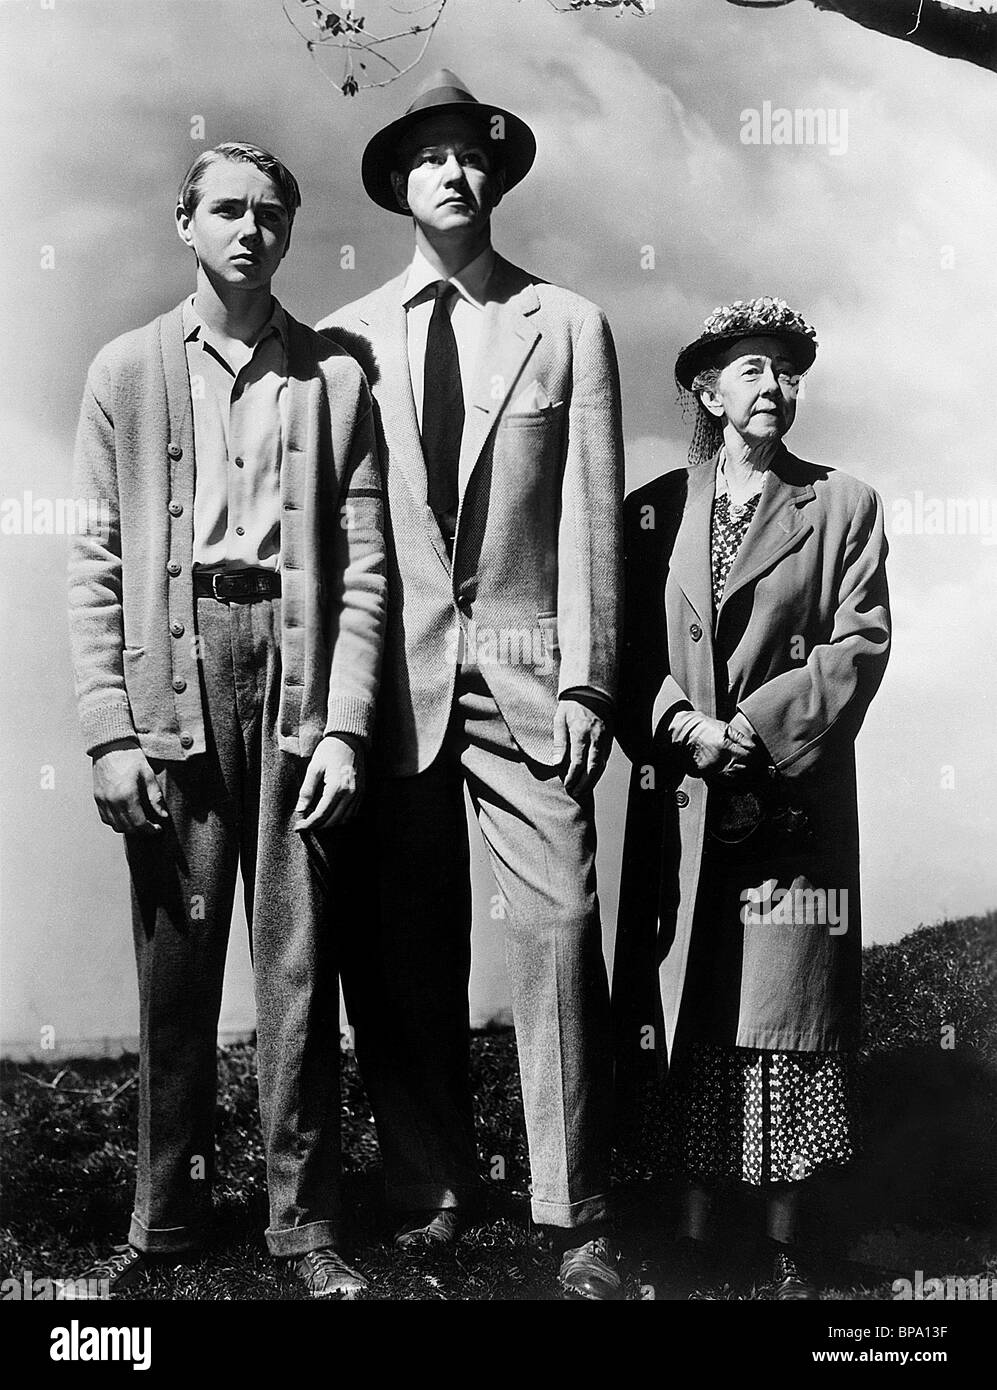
column 237, row 586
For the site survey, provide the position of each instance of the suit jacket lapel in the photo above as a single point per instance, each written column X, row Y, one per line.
column 690, row 564
column 507, row 340
column 778, row 525
column 393, row 392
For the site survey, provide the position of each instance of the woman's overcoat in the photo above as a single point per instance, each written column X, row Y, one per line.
column 799, row 644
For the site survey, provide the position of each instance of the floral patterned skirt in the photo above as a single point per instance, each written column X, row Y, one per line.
column 743, row 1115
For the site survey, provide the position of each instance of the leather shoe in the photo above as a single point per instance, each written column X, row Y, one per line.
column 591, row 1271
column 790, row 1281
column 325, row 1274
column 429, row 1230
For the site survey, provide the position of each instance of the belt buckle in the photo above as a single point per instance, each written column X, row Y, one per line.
column 214, row 587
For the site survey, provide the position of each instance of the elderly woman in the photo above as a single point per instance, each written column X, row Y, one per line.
column 757, row 632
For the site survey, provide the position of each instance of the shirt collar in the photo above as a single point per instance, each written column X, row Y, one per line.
column 194, row 327
column 471, row 282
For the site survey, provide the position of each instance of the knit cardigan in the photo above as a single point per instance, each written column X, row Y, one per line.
column 131, row 594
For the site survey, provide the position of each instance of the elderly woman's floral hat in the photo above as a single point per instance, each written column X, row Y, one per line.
column 746, row 319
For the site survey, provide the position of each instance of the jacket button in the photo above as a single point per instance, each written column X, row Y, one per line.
column 186, row 740
column 174, row 451
column 174, row 568
column 681, row 798
column 179, row 685
column 176, row 509
column 240, row 530
column 695, row 632
column 176, row 629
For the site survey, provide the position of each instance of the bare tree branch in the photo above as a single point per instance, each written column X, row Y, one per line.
column 951, row 32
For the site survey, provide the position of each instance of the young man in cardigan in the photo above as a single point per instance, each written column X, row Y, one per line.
column 226, row 638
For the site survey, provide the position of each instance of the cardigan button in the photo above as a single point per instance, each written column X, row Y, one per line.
column 174, row 451
column 186, row 741
column 695, row 632
column 179, row 685
column 176, row 509
column 176, row 629
column 681, row 798
column 174, row 568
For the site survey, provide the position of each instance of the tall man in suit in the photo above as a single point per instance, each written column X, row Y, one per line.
column 226, row 636
column 498, row 413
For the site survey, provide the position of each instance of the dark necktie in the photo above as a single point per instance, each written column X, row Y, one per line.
column 442, row 411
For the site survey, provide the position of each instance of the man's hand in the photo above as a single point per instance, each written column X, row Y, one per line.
column 334, row 783
column 125, row 789
column 585, row 740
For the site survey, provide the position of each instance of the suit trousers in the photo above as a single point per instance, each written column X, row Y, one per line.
column 232, row 806
column 406, row 968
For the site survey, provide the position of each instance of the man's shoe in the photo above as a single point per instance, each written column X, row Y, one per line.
column 591, row 1271
column 325, row 1274
column 123, row 1268
column 429, row 1230
column 790, row 1281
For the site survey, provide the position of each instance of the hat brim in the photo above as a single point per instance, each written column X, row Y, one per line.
column 705, row 350
column 519, row 147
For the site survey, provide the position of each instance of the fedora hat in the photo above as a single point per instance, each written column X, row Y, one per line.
column 762, row 317
column 444, row 92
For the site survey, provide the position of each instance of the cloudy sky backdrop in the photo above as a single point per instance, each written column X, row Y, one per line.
column 888, row 247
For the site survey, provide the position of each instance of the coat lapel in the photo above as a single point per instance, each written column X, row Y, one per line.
column 690, row 563
column 778, row 526
column 507, row 340
column 393, row 391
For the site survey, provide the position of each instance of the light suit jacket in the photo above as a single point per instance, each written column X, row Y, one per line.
column 534, row 591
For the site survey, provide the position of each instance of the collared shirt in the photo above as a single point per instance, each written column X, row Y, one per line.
column 237, row 408
column 467, row 315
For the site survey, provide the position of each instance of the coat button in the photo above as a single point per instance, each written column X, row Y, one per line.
column 176, row 629
column 681, row 798
column 695, row 632
column 174, row 568
column 240, row 530
column 174, row 451
column 186, row 740
column 239, row 462
column 179, row 685
column 176, row 509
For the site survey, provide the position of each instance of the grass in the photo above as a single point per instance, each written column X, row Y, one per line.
column 923, row 1196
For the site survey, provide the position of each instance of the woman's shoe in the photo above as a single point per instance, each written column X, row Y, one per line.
column 791, row 1282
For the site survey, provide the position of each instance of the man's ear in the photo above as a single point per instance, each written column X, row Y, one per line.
column 712, row 402
column 498, row 187
column 399, row 182
column 183, row 226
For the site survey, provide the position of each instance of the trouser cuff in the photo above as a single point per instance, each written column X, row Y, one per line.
column 298, row 1240
column 583, row 1213
column 163, row 1240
